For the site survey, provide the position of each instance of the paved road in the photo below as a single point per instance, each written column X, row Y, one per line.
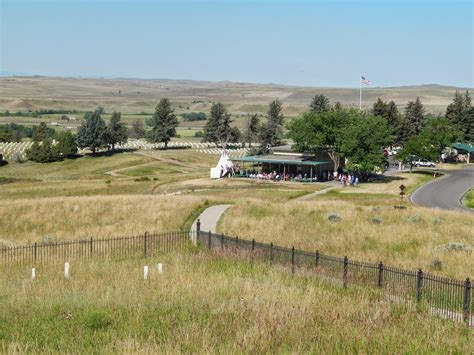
column 210, row 217
column 446, row 192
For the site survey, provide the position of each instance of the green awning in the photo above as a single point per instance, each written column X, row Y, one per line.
column 273, row 159
column 463, row 146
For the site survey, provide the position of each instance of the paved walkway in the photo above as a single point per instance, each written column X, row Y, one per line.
column 446, row 192
column 319, row 192
column 209, row 218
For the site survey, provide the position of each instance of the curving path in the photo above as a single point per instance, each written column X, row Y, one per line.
column 447, row 191
column 209, row 218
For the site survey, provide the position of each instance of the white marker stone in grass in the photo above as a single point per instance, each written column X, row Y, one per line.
column 159, row 268
column 66, row 269
column 145, row 272
column 33, row 273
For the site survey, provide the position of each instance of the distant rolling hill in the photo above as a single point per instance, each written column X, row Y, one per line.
column 137, row 95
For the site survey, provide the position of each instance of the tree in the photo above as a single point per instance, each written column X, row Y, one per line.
column 67, row 145
column 379, row 108
column 391, row 114
column 163, row 123
column 116, row 130
column 459, row 107
column 41, row 132
column 137, row 130
column 314, row 132
column 337, row 106
column 253, row 126
column 43, row 153
column 217, row 128
column 272, row 133
column 92, row 133
column 362, row 141
column 320, row 103
column 437, row 134
column 414, row 114
column 467, row 125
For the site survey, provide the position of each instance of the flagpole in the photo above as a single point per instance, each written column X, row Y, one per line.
column 360, row 92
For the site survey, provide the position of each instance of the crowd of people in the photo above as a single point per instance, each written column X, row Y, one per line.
column 345, row 178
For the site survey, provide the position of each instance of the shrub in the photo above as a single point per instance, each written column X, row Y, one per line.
column 334, row 217
column 436, row 264
column 415, row 218
column 96, row 320
column 143, row 178
column 456, row 246
column 377, row 220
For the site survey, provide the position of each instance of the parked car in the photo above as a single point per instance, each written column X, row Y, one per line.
column 424, row 163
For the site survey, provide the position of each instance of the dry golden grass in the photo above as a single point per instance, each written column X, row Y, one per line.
column 203, row 303
column 30, row 220
column 406, row 238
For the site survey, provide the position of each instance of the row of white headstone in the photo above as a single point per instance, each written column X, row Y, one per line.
column 146, row 271
column 8, row 149
column 233, row 153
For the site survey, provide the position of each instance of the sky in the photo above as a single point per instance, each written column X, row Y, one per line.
column 304, row 43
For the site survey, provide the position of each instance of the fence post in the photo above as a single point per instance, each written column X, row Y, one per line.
column 467, row 301
column 209, row 240
column 144, row 243
column 91, row 247
column 198, row 227
column 344, row 272
column 236, row 242
column 317, row 258
column 253, row 247
column 222, row 241
column 419, row 285
column 380, row 275
column 35, row 254
column 271, row 252
column 293, row 260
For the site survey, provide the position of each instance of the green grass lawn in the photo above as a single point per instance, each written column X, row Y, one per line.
column 468, row 199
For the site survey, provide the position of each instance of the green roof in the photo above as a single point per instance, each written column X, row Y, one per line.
column 275, row 159
column 463, row 146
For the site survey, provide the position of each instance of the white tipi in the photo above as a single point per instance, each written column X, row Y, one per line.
column 224, row 167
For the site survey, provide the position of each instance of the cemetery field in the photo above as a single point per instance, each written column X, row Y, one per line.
column 206, row 303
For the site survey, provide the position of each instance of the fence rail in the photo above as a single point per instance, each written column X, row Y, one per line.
column 143, row 245
column 440, row 296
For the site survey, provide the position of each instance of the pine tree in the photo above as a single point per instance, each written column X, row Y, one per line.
column 337, row 106
column 456, row 109
column 414, row 114
column 467, row 125
column 217, row 128
column 42, row 132
column 67, row 145
column 379, row 108
column 272, row 132
column 253, row 125
column 137, row 130
column 163, row 123
column 92, row 133
column 320, row 103
column 116, row 130
column 392, row 115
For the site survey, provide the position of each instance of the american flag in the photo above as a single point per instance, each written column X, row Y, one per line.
column 364, row 81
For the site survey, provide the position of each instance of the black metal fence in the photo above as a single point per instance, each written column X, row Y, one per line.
column 440, row 296
column 147, row 244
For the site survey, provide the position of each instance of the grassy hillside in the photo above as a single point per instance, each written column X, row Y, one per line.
column 133, row 96
column 204, row 303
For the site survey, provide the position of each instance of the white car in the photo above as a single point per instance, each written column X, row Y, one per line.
column 424, row 163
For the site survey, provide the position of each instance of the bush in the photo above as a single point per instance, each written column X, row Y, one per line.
column 96, row 320
column 415, row 218
column 334, row 217
column 194, row 116
column 455, row 246
column 377, row 220
column 436, row 264
column 43, row 153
